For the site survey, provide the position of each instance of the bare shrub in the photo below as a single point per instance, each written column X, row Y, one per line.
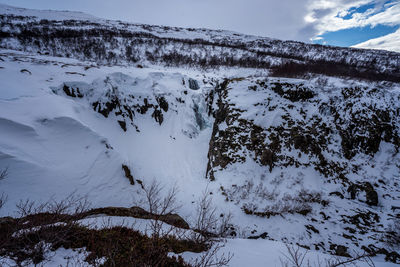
column 294, row 257
column 206, row 218
column 301, row 202
column 209, row 229
column 40, row 227
column 72, row 204
column 249, row 189
column 207, row 222
column 157, row 204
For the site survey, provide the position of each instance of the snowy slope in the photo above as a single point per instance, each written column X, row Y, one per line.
column 45, row 14
column 71, row 147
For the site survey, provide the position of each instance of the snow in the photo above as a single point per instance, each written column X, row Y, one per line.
column 389, row 42
column 247, row 252
column 45, row 14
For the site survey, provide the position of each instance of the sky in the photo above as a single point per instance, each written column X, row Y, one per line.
column 359, row 23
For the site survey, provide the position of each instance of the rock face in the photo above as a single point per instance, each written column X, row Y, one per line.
column 268, row 133
column 109, row 97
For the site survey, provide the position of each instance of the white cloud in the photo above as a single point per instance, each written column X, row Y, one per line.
column 387, row 42
column 328, row 15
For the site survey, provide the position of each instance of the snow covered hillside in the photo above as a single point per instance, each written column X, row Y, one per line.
column 116, row 43
column 102, row 108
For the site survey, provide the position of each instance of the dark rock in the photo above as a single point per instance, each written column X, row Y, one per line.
column 175, row 220
column 371, row 195
column 128, row 174
column 143, row 109
column 109, row 106
column 78, row 93
column 304, row 212
column 137, row 212
column 158, row 116
column 193, row 84
column 268, row 158
column 26, row 71
column 69, row 91
column 163, row 103
column 123, row 125
column 312, row 228
column 262, row 236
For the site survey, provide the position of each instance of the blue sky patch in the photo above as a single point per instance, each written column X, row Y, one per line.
column 363, row 9
column 353, row 36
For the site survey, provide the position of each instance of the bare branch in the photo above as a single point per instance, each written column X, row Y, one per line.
column 295, row 257
column 160, row 206
column 3, row 173
column 212, row 257
column 3, row 200
column 352, row 261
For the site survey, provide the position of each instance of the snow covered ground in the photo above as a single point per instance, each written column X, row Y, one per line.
column 273, row 254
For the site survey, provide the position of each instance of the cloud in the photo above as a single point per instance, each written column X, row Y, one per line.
column 387, row 42
column 334, row 15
